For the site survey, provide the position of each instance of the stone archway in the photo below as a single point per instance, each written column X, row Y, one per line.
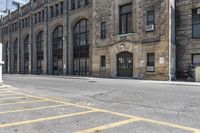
column 116, row 49
column 125, row 64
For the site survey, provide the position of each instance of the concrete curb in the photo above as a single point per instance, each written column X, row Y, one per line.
column 96, row 78
column 174, row 83
column 4, row 86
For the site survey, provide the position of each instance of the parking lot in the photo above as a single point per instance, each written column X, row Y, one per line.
column 25, row 113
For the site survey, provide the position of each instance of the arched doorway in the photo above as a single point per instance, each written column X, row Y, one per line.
column 57, row 41
column 40, row 52
column 81, row 48
column 26, row 54
column 125, row 64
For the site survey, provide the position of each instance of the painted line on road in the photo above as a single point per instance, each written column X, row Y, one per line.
column 32, row 109
column 45, row 119
column 118, row 114
column 76, row 105
column 8, row 94
column 10, row 98
column 112, row 125
column 170, row 125
column 3, row 92
column 10, row 103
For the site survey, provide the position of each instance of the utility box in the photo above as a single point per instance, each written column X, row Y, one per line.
column 197, row 74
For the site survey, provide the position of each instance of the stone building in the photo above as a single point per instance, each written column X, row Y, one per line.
column 103, row 38
column 187, row 34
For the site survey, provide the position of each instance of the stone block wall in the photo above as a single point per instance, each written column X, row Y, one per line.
column 186, row 44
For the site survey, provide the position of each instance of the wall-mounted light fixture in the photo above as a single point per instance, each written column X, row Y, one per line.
column 64, row 38
column 122, row 45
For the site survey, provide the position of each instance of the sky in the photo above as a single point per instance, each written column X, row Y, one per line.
column 10, row 6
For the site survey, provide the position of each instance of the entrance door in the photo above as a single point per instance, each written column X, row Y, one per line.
column 125, row 64
column 57, row 66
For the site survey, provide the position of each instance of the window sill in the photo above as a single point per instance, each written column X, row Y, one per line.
column 149, row 31
column 127, row 34
column 103, row 39
column 196, row 38
column 150, row 73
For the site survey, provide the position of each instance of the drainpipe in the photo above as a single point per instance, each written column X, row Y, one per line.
column 170, row 32
column 67, row 37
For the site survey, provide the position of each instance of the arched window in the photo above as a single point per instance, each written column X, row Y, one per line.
column 57, row 43
column 26, row 54
column 81, row 48
column 40, row 52
column 15, row 55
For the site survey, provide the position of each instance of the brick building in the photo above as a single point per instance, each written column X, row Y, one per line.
column 104, row 38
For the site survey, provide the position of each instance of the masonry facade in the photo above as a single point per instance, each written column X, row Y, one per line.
column 187, row 34
column 103, row 38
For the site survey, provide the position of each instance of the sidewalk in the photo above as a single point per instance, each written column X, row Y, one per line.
column 174, row 82
column 185, row 83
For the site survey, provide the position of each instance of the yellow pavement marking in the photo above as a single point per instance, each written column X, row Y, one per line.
column 170, row 125
column 32, row 109
column 10, row 103
column 8, row 94
column 10, row 98
column 112, row 125
column 45, row 119
column 3, row 92
column 80, row 106
column 119, row 114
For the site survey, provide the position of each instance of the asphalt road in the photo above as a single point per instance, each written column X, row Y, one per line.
column 52, row 104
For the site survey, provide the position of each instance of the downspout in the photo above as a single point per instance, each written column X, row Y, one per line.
column 47, row 33
column 169, row 33
column 67, row 37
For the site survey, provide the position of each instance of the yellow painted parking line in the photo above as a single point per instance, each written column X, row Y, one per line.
column 10, row 98
column 10, row 103
column 32, row 109
column 170, row 125
column 119, row 114
column 76, row 105
column 45, row 119
column 8, row 94
column 112, row 125
column 3, row 91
